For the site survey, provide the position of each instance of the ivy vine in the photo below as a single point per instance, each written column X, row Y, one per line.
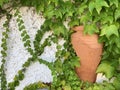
column 4, row 51
column 97, row 16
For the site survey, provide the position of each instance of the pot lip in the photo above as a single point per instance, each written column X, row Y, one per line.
column 78, row 28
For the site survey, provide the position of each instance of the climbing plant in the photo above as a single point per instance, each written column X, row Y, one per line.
column 97, row 16
column 3, row 51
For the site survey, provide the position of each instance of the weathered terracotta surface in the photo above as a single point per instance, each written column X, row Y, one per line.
column 89, row 51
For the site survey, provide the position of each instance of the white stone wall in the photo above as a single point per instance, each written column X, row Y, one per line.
column 17, row 54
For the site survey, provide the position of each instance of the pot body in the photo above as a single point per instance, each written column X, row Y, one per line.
column 89, row 51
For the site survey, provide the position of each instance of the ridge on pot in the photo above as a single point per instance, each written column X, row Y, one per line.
column 89, row 51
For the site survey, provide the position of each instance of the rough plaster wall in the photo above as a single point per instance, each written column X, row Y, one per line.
column 17, row 54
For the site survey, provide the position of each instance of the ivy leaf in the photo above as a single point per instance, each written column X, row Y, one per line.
column 21, row 27
column 49, row 12
column 117, row 13
column 75, row 62
column 55, row 2
column 70, row 13
column 58, row 66
column 27, row 42
column 109, row 30
column 109, row 86
column 91, row 6
column 74, row 23
column 66, row 55
column 99, row 4
column 58, row 29
column 30, row 50
column 63, row 82
column 107, row 19
column 96, row 87
column 23, row 33
column 11, row 85
column 116, row 83
column 58, row 14
column 91, row 29
column 114, row 2
column 21, row 76
column 81, row 8
column 40, row 7
column 67, row 8
column 5, row 48
column 86, row 18
column 106, row 68
column 3, row 1
column 68, row 87
column 4, row 54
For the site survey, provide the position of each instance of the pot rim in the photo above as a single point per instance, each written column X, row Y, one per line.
column 78, row 28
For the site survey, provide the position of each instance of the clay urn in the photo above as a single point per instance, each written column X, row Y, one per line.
column 89, row 51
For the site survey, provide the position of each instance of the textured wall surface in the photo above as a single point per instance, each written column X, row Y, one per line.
column 17, row 54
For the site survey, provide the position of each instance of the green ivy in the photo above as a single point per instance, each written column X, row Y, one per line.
column 3, row 1
column 97, row 16
column 4, row 52
column 35, row 86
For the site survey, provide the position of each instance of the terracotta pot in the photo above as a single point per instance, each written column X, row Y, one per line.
column 89, row 51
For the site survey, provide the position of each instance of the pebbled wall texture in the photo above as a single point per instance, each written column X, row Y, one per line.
column 17, row 54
